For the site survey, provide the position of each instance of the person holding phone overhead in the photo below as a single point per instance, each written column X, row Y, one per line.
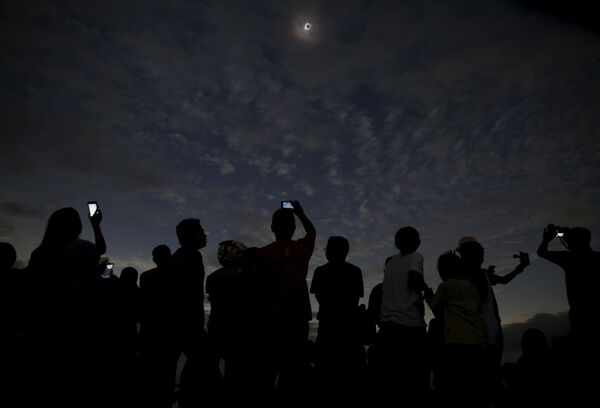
column 281, row 269
column 64, row 273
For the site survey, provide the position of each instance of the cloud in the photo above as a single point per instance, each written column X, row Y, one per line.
column 18, row 209
column 485, row 124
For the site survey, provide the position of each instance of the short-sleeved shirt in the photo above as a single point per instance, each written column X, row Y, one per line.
column 337, row 288
column 461, row 307
column 400, row 304
column 282, row 267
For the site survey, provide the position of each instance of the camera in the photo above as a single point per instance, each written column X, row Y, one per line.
column 557, row 231
column 522, row 256
column 287, row 204
column 560, row 231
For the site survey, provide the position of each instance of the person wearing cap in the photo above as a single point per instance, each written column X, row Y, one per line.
column 472, row 257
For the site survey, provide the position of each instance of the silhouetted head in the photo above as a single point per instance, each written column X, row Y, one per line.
column 578, row 239
column 283, row 224
column 471, row 252
column 161, row 255
column 191, row 234
column 534, row 342
column 129, row 276
column 64, row 225
column 8, row 256
column 450, row 267
column 230, row 253
column 337, row 249
column 407, row 240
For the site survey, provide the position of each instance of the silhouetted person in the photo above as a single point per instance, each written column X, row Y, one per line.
column 338, row 286
column 282, row 267
column 580, row 264
column 15, row 336
column 537, row 370
column 187, row 285
column 228, row 292
column 457, row 305
column 130, row 304
column 472, row 257
column 158, row 359
column 374, row 316
column 403, row 328
column 12, row 291
column 64, row 275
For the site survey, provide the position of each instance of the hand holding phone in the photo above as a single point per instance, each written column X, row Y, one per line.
column 94, row 213
column 92, row 207
column 287, row 204
column 108, row 271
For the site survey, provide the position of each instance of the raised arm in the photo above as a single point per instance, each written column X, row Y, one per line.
column 306, row 223
column 524, row 263
column 549, row 234
column 95, row 220
column 556, row 257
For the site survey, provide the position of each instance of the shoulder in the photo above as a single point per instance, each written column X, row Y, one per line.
column 353, row 268
column 307, row 241
column 79, row 248
column 416, row 257
column 320, row 269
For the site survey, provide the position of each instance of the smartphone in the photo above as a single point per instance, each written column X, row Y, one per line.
column 560, row 234
column 92, row 207
column 108, row 271
column 287, row 204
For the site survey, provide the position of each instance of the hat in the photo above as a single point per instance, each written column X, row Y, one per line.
column 466, row 239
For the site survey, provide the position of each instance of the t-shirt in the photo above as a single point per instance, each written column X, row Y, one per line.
column 282, row 267
column 460, row 306
column 337, row 288
column 400, row 304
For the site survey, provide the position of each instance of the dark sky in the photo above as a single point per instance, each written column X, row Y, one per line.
column 459, row 118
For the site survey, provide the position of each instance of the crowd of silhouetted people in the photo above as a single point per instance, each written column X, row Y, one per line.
column 74, row 334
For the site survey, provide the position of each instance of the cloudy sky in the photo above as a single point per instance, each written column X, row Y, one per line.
column 459, row 118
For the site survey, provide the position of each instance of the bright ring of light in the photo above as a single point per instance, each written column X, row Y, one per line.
column 307, row 26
